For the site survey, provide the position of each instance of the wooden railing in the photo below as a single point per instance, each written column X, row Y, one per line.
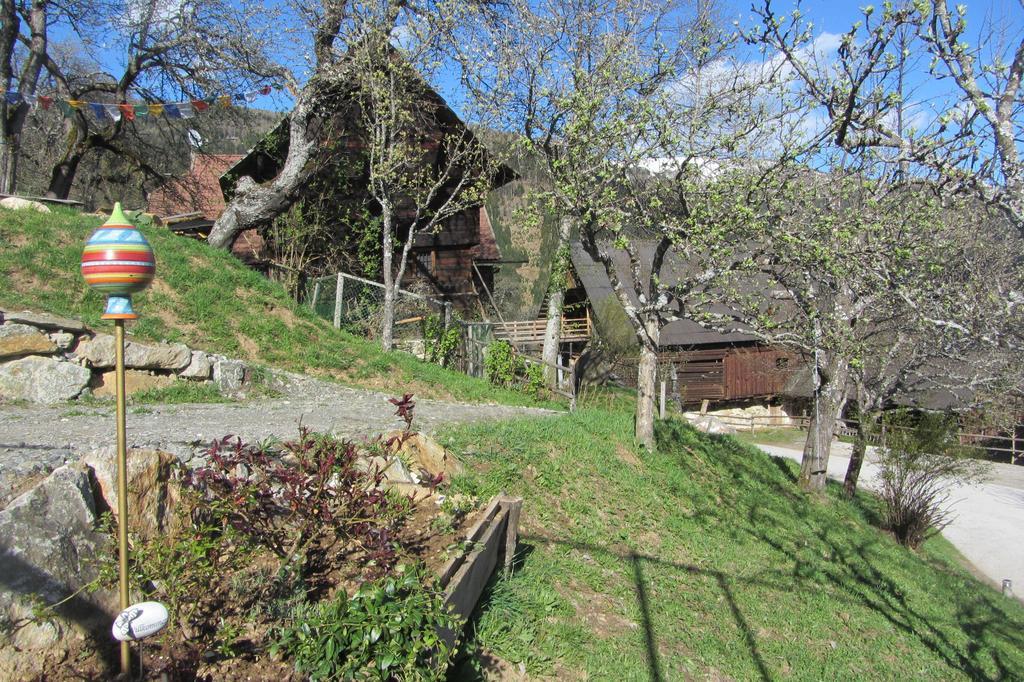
column 524, row 332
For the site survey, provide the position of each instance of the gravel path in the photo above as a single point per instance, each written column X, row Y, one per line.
column 34, row 440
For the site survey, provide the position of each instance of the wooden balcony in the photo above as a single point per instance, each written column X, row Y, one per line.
column 531, row 332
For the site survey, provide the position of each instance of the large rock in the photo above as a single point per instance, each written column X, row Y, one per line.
column 425, row 453
column 229, row 375
column 20, row 339
column 709, row 424
column 199, row 367
column 23, row 466
column 153, row 490
column 45, row 321
column 49, row 549
column 42, row 380
column 19, row 204
column 135, row 380
column 99, row 353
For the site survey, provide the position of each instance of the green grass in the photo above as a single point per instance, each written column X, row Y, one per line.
column 181, row 392
column 207, row 299
column 792, row 438
column 702, row 560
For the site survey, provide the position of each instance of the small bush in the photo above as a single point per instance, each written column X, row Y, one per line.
column 504, row 367
column 921, row 461
column 387, row 630
column 440, row 344
column 307, row 492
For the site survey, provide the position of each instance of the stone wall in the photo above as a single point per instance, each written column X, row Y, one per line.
column 48, row 359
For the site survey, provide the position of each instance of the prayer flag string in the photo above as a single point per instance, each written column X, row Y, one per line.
column 106, row 112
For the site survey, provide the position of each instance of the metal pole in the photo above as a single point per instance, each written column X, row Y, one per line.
column 122, row 482
column 662, row 400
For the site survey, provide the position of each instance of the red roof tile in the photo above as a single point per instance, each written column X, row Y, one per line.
column 487, row 249
column 196, row 191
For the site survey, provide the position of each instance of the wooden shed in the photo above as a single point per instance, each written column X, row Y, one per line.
column 700, row 363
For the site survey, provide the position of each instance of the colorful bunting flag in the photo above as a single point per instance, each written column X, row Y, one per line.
column 104, row 111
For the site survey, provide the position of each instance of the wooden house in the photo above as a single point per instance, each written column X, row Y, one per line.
column 699, row 363
column 455, row 262
column 190, row 204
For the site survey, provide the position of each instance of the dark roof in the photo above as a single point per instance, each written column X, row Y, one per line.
column 263, row 162
column 594, row 278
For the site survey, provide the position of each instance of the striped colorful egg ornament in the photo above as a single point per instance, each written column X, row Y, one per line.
column 118, row 261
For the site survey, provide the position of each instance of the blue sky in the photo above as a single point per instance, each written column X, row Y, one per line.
column 829, row 17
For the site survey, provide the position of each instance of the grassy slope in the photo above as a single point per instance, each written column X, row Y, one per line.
column 207, row 299
column 703, row 561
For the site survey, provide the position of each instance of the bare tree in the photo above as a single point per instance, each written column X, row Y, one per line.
column 954, row 343
column 423, row 168
column 167, row 51
column 966, row 138
column 13, row 113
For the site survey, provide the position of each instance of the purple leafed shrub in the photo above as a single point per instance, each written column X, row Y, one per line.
column 294, row 495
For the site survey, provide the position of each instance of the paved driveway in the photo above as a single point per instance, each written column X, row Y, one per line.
column 988, row 527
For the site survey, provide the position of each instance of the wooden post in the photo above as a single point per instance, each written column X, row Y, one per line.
column 514, row 506
column 316, row 297
column 339, row 292
column 447, row 315
column 662, row 408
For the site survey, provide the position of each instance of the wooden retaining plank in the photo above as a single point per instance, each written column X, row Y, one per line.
column 494, row 538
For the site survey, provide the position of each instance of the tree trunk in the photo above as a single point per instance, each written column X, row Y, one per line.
column 828, row 398
column 556, row 300
column 62, row 177
column 254, row 205
column 387, row 329
column 8, row 164
column 860, row 446
column 646, row 380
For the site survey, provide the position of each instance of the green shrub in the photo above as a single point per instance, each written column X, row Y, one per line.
column 501, row 364
column 387, row 630
column 439, row 343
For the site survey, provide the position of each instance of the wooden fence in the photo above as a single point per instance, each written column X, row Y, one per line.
column 1008, row 446
column 531, row 332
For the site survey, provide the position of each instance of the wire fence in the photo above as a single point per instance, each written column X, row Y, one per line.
column 357, row 305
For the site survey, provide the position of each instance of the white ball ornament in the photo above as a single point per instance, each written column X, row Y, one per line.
column 139, row 621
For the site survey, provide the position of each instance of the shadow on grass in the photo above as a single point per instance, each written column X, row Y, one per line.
column 818, row 547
